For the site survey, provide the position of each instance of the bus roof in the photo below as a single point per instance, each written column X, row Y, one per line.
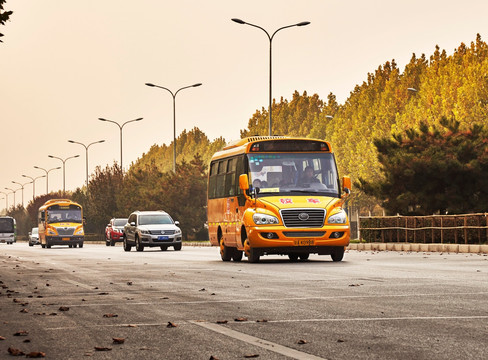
column 244, row 145
column 58, row 202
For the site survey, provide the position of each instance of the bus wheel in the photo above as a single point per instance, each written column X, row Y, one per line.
column 337, row 254
column 293, row 257
column 225, row 252
column 74, row 245
column 304, row 257
column 236, row 255
column 253, row 255
column 48, row 246
column 80, row 245
column 70, row 246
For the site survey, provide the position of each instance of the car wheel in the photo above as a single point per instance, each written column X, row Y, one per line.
column 127, row 247
column 31, row 244
column 337, row 254
column 293, row 257
column 304, row 257
column 225, row 252
column 177, row 247
column 107, row 242
column 164, row 248
column 139, row 246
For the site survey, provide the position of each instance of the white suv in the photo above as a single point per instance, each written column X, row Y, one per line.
column 151, row 228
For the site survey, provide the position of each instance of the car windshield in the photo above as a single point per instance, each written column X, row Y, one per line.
column 288, row 173
column 62, row 215
column 35, row 231
column 155, row 219
column 120, row 222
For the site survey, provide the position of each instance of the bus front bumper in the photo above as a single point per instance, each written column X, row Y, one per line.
column 64, row 240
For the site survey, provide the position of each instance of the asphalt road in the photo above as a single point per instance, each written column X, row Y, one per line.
column 184, row 305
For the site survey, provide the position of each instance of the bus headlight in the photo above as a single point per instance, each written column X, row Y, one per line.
column 263, row 219
column 338, row 218
column 79, row 231
column 51, row 231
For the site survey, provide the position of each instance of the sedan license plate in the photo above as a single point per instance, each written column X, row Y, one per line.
column 163, row 237
column 304, row 242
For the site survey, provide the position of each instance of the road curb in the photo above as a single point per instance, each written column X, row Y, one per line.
column 454, row 248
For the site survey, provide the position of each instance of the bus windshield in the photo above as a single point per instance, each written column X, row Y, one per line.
column 288, row 173
column 6, row 225
column 64, row 215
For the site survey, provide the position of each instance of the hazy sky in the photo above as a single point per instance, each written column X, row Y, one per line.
column 65, row 63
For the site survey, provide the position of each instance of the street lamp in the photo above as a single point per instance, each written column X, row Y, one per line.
column 47, row 175
column 86, row 148
column 120, row 127
column 22, row 187
column 174, row 115
column 12, row 191
column 34, row 184
column 242, row 22
column 64, row 168
column 6, row 200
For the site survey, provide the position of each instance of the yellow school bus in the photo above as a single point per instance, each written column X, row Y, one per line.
column 277, row 195
column 60, row 222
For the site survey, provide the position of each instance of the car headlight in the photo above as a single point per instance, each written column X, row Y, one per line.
column 144, row 231
column 79, row 231
column 339, row 218
column 178, row 232
column 51, row 232
column 264, row 219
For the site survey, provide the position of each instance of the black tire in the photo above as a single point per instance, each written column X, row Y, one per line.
column 80, row 245
column 164, row 248
column 127, row 247
column 70, row 246
column 107, row 242
column 31, row 244
column 225, row 252
column 237, row 255
column 74, row 245
column 43, row 246
column 337, row 254
column 48, row 246
column 112, row 242
column 177, row 247
column 304, row 257
column 293, row 257
column 254, row 255
column 139, row 246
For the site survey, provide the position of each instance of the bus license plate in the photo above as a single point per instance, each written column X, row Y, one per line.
column 304, row 242
column 65, row 238
column 163, row 237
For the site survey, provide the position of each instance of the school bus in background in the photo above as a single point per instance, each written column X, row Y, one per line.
column 60, row 222
column 277, row 195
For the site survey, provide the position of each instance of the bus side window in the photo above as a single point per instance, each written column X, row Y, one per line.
column 212, row 180
column 221, row 179
column 241, row 168
column 230, row 179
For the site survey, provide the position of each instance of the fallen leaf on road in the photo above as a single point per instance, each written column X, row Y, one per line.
column 340, row 341
column 103, row 293
column 63, row 308
column 202, row 289
column 24, row 311
column 26, row 341
column 131, row 325
column 213, row 358
column 129, row 282
column 249, row 356
column 2, row 338
column 15, row 352
column 110, row 315
column 102, row 348
column 240, row 319
column 171, row 325
column 263, row 320
column 301, row 342
column 21, row 333
column 36, row 354
column 118, row 340
column 222, row 321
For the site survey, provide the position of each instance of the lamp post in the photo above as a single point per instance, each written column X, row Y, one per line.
column 86, row 148
column 242, row 22
column 13, row 191
column 174, row 115
column 22, row 188
column 34, row 184
column 47, row 175
column 6, row 200
column 64, row 168
column 120, row 127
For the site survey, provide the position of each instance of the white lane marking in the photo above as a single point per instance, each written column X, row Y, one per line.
column 268, row 345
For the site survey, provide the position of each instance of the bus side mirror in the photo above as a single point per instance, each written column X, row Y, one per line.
column 84, row 220
column 244, row 182
column 346, row 184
